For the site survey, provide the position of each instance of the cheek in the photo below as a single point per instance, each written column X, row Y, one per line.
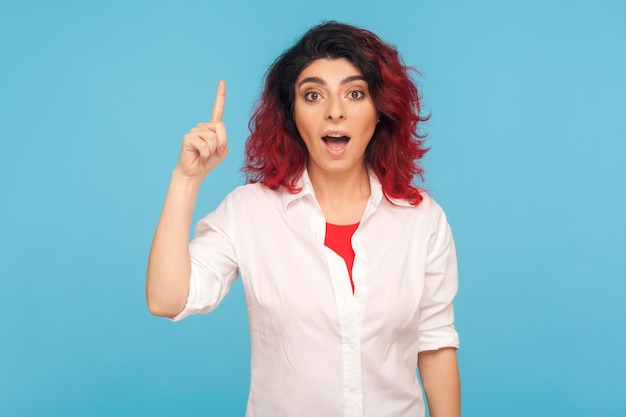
column 305, row 122
column 368, row 115
column 368, row 121
column 297, row 119
column 301, row 128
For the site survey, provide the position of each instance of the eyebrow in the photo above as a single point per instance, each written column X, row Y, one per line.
column 318, row 80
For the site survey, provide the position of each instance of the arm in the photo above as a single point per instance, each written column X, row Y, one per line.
column 440, row 376
column 169, row 264
column 436, row 359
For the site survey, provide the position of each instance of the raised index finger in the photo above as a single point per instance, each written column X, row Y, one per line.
column 218, row 106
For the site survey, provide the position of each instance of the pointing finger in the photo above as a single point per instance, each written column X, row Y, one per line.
column 218, row 105
column 220, row 133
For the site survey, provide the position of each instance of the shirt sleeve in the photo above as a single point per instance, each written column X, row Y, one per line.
column 214, row 264
column 436, row 329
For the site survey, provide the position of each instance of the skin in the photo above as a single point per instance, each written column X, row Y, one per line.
column 330, row 97
column 439, row 371
column 169, row 264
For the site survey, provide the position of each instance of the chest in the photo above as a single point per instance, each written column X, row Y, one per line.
column 292, row 277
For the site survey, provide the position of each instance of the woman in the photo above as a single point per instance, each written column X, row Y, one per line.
column 349, row 270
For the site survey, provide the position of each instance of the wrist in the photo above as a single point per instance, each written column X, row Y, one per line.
column 180, row 179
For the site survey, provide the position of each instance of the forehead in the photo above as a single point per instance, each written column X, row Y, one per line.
column 329, row 69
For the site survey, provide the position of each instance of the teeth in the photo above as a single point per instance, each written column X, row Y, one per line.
column 335, row 135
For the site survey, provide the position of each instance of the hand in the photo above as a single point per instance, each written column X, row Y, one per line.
column 205, row 147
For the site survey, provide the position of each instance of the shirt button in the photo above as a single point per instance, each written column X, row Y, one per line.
column 352, row 390
column 352, row 345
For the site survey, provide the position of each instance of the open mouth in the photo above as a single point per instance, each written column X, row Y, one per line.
column 336, row 142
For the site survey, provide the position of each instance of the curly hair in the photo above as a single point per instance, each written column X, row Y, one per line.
column 275, row 154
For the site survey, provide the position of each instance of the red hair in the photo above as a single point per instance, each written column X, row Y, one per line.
column 275, row 154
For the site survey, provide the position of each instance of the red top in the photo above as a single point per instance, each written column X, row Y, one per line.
column 339, row 239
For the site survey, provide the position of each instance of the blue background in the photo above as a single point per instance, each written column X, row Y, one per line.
column 528, row 137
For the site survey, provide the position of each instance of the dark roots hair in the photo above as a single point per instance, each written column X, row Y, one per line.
column 275, row 153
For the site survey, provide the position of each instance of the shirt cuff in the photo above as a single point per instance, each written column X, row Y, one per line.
column 435, row 339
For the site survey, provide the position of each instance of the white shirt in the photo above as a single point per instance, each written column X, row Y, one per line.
column 317, row 349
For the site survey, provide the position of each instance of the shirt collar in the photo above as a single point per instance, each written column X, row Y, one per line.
column 306, row 189
column 305, row 186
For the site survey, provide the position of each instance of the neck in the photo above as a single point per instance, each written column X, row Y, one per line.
column 342, row 196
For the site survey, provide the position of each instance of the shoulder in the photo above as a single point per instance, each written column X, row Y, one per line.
column 252, row 199
column 245, row 204
column 426, row 218
column 431, row 206
column 252, row 192
column 427, row 207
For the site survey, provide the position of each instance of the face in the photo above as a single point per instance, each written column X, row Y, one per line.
column 335, row 115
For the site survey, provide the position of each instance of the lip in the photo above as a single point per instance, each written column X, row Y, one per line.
column 335, row 132
column 332, row 151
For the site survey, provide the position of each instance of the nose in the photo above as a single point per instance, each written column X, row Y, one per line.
column 335, row 109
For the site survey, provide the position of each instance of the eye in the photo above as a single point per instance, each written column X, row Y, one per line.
column 356, row 94
column 312, row 96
